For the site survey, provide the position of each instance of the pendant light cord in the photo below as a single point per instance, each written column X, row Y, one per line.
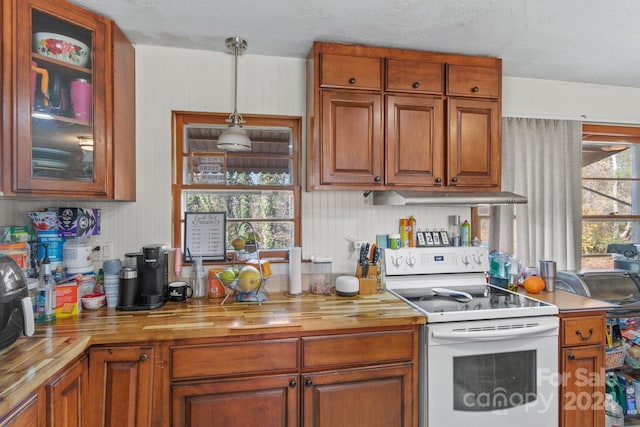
column 235, row 91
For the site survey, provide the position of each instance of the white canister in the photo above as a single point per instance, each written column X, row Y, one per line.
column 76, row 253
column 347, row 286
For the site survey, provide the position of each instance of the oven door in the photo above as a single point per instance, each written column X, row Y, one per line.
column 499, row 373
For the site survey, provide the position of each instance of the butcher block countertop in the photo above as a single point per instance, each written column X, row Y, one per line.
column 566, row 301
column 28, row 363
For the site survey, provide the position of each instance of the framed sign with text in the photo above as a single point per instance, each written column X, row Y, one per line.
column 205, row 235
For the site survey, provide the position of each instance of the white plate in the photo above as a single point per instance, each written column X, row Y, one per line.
column 49, row 163
column 49, row 152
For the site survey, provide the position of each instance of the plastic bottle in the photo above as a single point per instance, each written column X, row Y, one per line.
column 215, row 288
column 454, row 231
column 412, row 232
column 46, row 292
column 404, row 232
column 613, row 412
column 199, row 280
column 465, row 233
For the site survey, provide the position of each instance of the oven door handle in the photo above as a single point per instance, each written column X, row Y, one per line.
column 493, row 334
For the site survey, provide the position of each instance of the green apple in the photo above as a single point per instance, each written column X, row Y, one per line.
column 227, row 276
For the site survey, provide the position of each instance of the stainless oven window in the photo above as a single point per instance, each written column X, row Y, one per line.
column 495, row 381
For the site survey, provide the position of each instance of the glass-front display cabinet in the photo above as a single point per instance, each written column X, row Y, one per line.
column 64, row 120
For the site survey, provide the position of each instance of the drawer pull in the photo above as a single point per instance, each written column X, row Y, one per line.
column 416, row 85
column 308, row 383
column 572, row 356
column 585, row 337
column 352, row 80
column 475, row 89
column 292, row 383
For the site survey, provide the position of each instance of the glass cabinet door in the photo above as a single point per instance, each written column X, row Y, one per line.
column 61, row 132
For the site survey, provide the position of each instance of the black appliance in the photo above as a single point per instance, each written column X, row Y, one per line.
column 152, row 280
column 16, row 309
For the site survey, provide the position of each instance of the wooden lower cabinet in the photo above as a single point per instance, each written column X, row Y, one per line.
column 29, row 413
column 363, row 378
column 67, row 396
column 372, row 397
column 121, row 385
column 582, row 368
column 267, row 401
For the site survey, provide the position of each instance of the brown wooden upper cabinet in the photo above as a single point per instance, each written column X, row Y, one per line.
column 382, row 118
column 68, row 79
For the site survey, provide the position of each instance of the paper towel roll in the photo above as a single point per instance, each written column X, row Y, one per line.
column 295, row 270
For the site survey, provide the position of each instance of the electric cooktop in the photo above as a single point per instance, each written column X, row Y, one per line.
column 473, row 302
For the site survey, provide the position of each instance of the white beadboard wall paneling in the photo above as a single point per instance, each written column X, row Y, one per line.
column 333, row 219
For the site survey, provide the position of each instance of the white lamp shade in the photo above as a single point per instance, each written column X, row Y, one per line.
column 234, row 139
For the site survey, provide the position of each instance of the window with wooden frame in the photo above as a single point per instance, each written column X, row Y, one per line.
column 258, row 190
column 610, row 191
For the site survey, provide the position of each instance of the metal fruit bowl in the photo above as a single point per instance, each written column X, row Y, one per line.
column 242, row 285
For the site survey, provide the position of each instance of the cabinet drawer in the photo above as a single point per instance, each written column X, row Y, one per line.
column 360, row 72
column 357, row 349
column 414, row 76
column 194, row 361
column 465, row 80
column 582, row 330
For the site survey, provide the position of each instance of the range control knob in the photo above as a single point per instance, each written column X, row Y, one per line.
column 411, row 260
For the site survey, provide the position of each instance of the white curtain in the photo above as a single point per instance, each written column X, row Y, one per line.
column 541, row 159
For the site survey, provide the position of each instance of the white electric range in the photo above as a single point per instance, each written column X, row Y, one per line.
column 488, row 356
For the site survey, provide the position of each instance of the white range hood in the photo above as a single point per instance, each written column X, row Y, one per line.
column 437, row 198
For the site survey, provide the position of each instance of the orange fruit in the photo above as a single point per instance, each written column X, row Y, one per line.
column 533, row 284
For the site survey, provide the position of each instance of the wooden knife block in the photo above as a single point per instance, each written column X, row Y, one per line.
column 368, row 285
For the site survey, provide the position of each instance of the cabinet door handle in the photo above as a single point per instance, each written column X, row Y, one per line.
column 582, row 337
column 475, row 89
column 308, row 383
column 416, row 85
column 454, row 179
column 143, row 357
column 293, row 383
column 378, row 178
column 572, row 356
column 438, row 180
column 352, row 80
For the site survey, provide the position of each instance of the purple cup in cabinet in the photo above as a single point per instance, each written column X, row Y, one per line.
column 81, row 91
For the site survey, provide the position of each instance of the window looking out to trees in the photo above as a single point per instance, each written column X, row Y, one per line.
column 257, row 189
column 610, row 191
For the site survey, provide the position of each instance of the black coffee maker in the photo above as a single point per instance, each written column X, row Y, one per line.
column 151, row 289
column 16, row 309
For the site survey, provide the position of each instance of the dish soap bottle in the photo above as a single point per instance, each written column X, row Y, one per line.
column 465, row 233
column 46, row 292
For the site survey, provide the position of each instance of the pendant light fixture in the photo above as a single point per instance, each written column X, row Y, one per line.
column 235, row 138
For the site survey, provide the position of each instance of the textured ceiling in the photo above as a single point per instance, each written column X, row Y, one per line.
column 592, row 41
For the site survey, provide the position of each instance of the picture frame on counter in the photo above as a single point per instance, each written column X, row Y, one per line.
column 205, row 235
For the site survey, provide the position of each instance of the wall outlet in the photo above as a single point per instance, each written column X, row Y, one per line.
column 102, row 251
column 357, row 244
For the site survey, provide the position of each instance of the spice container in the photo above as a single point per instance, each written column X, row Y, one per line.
column 394, row 241
column 216, row 288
